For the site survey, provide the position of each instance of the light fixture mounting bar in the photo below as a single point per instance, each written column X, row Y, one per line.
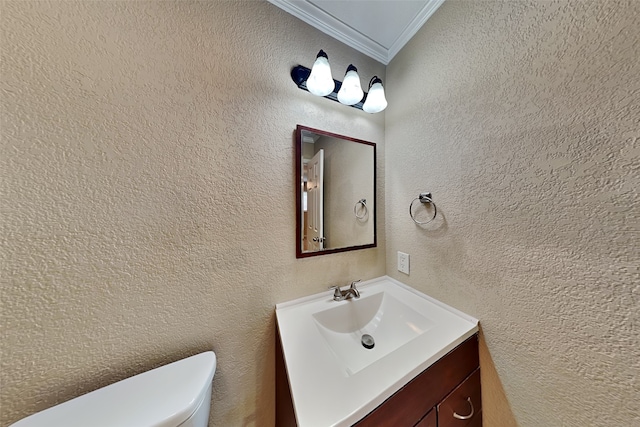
column 300, row 74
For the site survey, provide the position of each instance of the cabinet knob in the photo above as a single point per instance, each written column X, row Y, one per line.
column 465, row 417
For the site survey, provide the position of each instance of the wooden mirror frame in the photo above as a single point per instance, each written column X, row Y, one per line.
column 298, row 182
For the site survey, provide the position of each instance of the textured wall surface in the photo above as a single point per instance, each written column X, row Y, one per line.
column 523, row 120
column 147, row 194
column 133, row 134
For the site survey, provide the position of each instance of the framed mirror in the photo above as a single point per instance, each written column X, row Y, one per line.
column 335, row 193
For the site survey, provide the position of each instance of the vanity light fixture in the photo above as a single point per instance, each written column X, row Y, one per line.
column 319, row 82
column 376, row 100
column 350, row 92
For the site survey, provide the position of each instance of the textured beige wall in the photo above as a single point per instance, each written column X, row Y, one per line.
column 522, row 119
column 147, row 194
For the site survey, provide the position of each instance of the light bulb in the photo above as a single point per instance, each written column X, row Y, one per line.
column 350, row 92
column 320, row 82
column 375, row 101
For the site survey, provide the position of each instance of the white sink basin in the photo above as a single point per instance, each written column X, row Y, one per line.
column 388, row 321
column 334, row 379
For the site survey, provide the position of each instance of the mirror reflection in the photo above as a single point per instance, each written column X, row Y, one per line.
column 336, row 193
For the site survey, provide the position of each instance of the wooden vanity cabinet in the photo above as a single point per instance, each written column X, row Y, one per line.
column 429, row 420
column 457, row 403
column 428, row 400
column 465, row 401
column 432, row 398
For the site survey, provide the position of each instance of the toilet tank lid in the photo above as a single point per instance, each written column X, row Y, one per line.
column 163, row 397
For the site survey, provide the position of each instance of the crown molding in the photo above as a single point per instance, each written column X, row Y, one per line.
column 326, row 23
column 413, row 27
column 316, row 17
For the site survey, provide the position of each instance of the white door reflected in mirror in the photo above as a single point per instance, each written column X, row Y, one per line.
column 314, row 218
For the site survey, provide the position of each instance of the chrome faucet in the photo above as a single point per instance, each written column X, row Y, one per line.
column 340, row 295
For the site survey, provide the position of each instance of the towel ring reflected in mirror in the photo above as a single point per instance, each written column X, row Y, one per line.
column 423, row 198
column 364, row 208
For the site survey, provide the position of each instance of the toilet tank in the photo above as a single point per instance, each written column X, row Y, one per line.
column 177, row 394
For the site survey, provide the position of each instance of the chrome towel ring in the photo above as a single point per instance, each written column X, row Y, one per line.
column 362, row 202
column 424, row 198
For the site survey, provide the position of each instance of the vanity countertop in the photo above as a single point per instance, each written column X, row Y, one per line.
column 336, row 381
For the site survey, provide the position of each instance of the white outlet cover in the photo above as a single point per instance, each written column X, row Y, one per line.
column 403, row 262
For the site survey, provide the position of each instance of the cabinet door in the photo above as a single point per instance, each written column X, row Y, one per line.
column 407, row 407
column 429, row 420
column 463, row 407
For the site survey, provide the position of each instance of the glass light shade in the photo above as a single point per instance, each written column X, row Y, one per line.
column 350, row 92
column 375, row 101
column 320, row 82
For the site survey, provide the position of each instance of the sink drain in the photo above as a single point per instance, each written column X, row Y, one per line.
column 367, row 341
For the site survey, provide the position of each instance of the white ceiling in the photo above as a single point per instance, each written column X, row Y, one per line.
column 377, row 28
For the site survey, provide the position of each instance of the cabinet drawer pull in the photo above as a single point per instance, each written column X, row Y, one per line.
column 465, row 417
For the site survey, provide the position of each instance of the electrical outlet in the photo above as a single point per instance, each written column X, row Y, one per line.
column 403, row 262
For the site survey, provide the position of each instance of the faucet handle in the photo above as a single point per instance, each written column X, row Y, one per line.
column 337, row 293
column 353, row 288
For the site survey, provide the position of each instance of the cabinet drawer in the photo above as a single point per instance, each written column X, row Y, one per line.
column 465, row 402
column 429, row 420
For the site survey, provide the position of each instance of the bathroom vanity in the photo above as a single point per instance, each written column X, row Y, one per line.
column 437, row 395
column 418, row 366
